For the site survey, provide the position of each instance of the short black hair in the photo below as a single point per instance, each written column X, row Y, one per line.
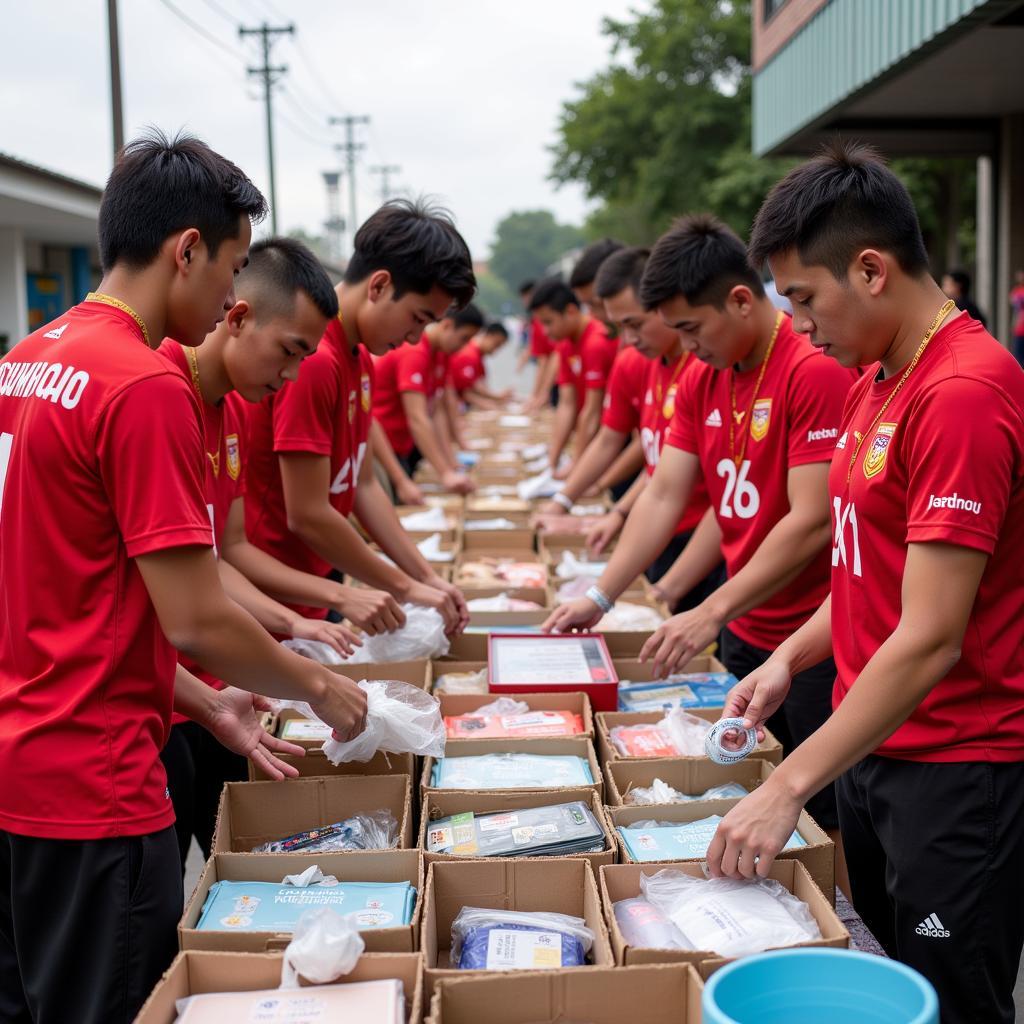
column 554, row 293
column 841, row 201
column 468, row 316
column 419, row 245
column 278, row 269
column 962, row 278
column 623, row 269
column 585, row 270
column 699, row 258
column 160, row 186
column 496, row 327
column 527, row 286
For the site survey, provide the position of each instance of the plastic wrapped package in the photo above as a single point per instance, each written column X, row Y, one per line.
column 660, row 792
column 400, row 719
column 671, row 840
column 462, row 682
column 678, row 734
column 422, row 636
column 570, row 566
column 429, row 519
column 375, row 831
column 686, row 690
column 630, row 618
column 511, row 771
column 566, row 523
column 483, row 725
column 510, row 940
column 645, row 925
column 501, row 603
column 431, row 550
column 729, row 917
column 498, row 572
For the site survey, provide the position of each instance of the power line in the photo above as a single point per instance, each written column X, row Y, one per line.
column 349, row 148
column 385, row 171
column 223, row 12
column 200, row 30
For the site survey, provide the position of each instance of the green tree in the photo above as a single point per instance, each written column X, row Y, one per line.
column 494, row 297
column 528, row 241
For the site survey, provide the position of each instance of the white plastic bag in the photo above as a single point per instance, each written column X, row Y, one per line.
column 658, row 792
column 630, row 618
column 501, row 603
column 500, row 523
column 311, row 876
column 534, row 451
column 315, row 650
column 686, row 731
column 430, row 549
column 503, row 706
column 541, row 486
column 430, row 519
column 729, row 917
column 400, row 719
column 570, row 567
column 324, row 946
column 422, row 636
column 572, row 589
column 462, row 682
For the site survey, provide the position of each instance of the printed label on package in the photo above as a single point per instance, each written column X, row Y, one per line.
column 523, row 951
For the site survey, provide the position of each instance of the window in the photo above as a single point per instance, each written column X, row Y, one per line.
column 771, row 8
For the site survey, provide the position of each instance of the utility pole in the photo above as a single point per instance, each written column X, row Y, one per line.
column 267, row 73
column 349, row 148
column 385, row 171
column 335, row 223
column 116, row 105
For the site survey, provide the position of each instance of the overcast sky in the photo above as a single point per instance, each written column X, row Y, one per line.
column 463, row 94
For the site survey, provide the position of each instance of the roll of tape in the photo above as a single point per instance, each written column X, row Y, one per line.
column 713, row 741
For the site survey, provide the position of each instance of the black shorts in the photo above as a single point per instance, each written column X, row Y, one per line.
column 667, row 559
column 806, row 708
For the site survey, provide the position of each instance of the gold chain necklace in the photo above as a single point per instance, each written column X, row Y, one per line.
column 738, row 417
column 193, row 366
column 946, row 309
column 109, row 300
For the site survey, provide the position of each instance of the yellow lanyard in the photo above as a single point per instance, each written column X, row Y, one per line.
column 193, row 365
column 738, row 417
column 675, row 376
column 109, row 300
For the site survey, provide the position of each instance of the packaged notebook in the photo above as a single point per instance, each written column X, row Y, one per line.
column 551, row 831
column 368, row 1002
column 510, row 940
column 273, row 907
column 511, row 771
column 654, row 840
column 530, row 724
column 686, row 690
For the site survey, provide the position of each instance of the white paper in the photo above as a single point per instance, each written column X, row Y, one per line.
column 546, row 660
column 523, row 951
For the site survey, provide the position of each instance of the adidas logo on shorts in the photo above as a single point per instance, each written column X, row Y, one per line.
column 932, row 927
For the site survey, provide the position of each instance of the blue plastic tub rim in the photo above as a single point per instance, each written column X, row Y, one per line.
column 930, row 1003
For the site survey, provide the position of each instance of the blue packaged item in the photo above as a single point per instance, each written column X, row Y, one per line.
column 274, row 907
column 511, row 771
column 653, row 840
column 510, row 940
column 685, row 690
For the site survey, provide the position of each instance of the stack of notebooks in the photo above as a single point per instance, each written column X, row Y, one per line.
column 686, row 690
column 552, row 831
column 511, row 771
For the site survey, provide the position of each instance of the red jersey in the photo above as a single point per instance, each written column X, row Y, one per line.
column 624, row 392
column 421, row 368
column 540, row 343
column 793, row 420
column 586, row 364
column 100, row 462
column 327, row 412
column 466, row 367
column 945, row 464
column 660, row 387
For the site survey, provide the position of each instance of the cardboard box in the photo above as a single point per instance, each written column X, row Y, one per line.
column 315, row 764
column 659, row 994
column 636, row 671
column 520, row 516
column 499, row 620
column 453, row 503
column 496, row 506
column 770, row 749
column 689, row 775
column 198, row 972
column 415, row 672
column 441, row 667
column 577, row 703
column 577, row 746
column 559, row 885
column 818, row 856
column 622, row 881
column 376, row 866
column 539, row 595
column 253, row 813
column 504, row 541
column 443, row 803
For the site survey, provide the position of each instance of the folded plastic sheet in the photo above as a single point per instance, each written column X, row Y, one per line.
column 686, row 690
column 275, row 907
column 664, row 840
column 509, row 940
column 660, row 792
column 511, row 771
column 377, row 830
column 555, row 830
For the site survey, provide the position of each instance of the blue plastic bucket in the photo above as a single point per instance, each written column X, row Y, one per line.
column 812, row 986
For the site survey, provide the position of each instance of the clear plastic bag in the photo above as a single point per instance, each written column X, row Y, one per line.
column 687, row 732
column 501, row 523
column 729, row 917
column 574, row 588
column 377, row 830
column 324, row 946
column 541, row 486
column 501, row 603
column 570, row 567
column 462, row 682
column 631, row 618
column 422, row 636
column 646, row 926
column 503, row 706
column 488, row 940
column 429, row 519
column 660, row 792
column 315, row 650
column 400, row 719
column 430, row 549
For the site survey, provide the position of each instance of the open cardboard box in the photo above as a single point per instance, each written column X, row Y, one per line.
column 486, row 506
column 443, row 803
column 656, row 994
column 636, row 671
column 504, row 542
column 415, row 672
column 538, row 595
column 577, row 746
column 769, row 749
column 818, row 856
column 442, row 667
column 689, row 775
column 577, row 703
column 519, row 516
column 253, row 813
column 499, row 620
column 560, row 885
column 197, row 972
column 376, row 866
column 453, row 503
column 622, row 881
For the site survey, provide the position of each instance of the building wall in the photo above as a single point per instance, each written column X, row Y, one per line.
column 771, row 36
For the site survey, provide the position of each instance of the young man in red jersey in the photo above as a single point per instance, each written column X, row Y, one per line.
column 540, row 351
column 585, row 356
column 467, row 373
column 307, row 469
column 106, row 567
column 583, row 277
column 756, row 418
column 411, row 398
column 926, row 491
column 284, row 300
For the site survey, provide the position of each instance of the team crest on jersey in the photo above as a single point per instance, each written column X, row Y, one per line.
column 352, row 406
column 364, row 387
column 234, row 458
column 669, row 407
column 575, row 364
column 874, row 461
column 760, row 418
